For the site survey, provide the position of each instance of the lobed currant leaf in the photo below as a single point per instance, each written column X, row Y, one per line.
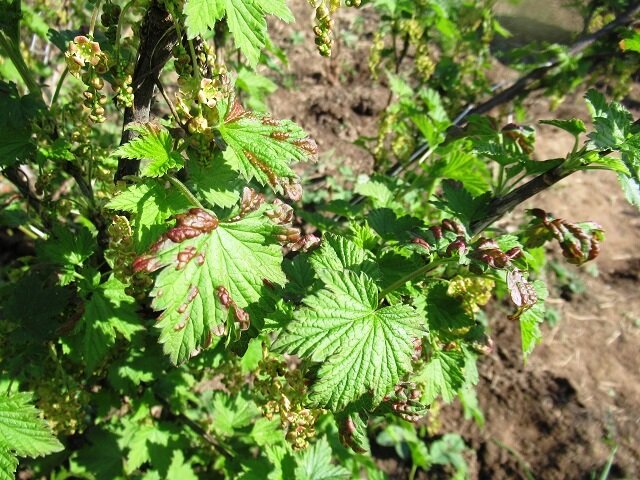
column 314, row 463
column 612, row 121
column 22, row 431
column 210, row 272
column 260, row 147
column 245, row 18
column 443, row 375
column 201, row 15
column 8, row 464
column 338, row 253
column 154, row 147
column 364, row 348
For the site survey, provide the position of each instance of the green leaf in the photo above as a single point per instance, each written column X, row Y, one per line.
column 531, row 319
column 100, row 458
column 386, row 224
column 267, row 432
column 461, row 203
column 217, row 183
column 338, row 253
column 232, row 413
column 257, row 86
column 445, row 314
column 260, row 147
column 108, row 311
column 631, row 189
column 574, row 126
column 69, row 249
column 378, row 192
column 314, row 463
column 465, row 167
column 245, row 18
column 201, row 15
column 154, row 147
column 248, row 26
column 8, row 464
column 365, row 349
column 612, row 121
column 179, row 468
column 15, row 124
column 631, row 43
column 278, row 8
column 10, row 19
column 22, row 431
column 443, row 375
column 236, row 256
column 152, row 204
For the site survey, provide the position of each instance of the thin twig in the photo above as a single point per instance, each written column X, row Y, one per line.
column 169, row 102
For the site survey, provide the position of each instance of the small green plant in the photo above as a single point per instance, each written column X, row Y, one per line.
column 169, row 310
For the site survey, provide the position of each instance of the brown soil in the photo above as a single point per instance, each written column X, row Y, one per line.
column 558, row 415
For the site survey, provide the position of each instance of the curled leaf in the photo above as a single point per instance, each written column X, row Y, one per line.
column 580, row 242
column 523, row 295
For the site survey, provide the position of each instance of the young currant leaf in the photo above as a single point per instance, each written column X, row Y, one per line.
column 445, row 313
column 338, row 253
column 154, row 147
column 365, row 348
column 152, row 203
column 612, row 121
column 443, row 375
column 574, row 126
column 352, row 428
column 210, row 271
column 531, row 319
column 232, row 413
column 260, row 147
column 201, row 15
column 245, row 18
column 386, row 224
column 16, row 144
column 247, row 24
column 314, row 463
column 8, row 464
column 180, row 468
column 68, row 249
column 22, row 432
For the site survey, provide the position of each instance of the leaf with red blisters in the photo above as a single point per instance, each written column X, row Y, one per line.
column 210, row 272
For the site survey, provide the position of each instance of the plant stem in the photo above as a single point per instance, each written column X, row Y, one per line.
column 416, row 273
column 154, row 51
column 94, row 17
column 11, row 50
column 194, row 60
column 58, row 87
column 502, row 204
column 185, row 191
column 119, row 29
column 169, row 103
